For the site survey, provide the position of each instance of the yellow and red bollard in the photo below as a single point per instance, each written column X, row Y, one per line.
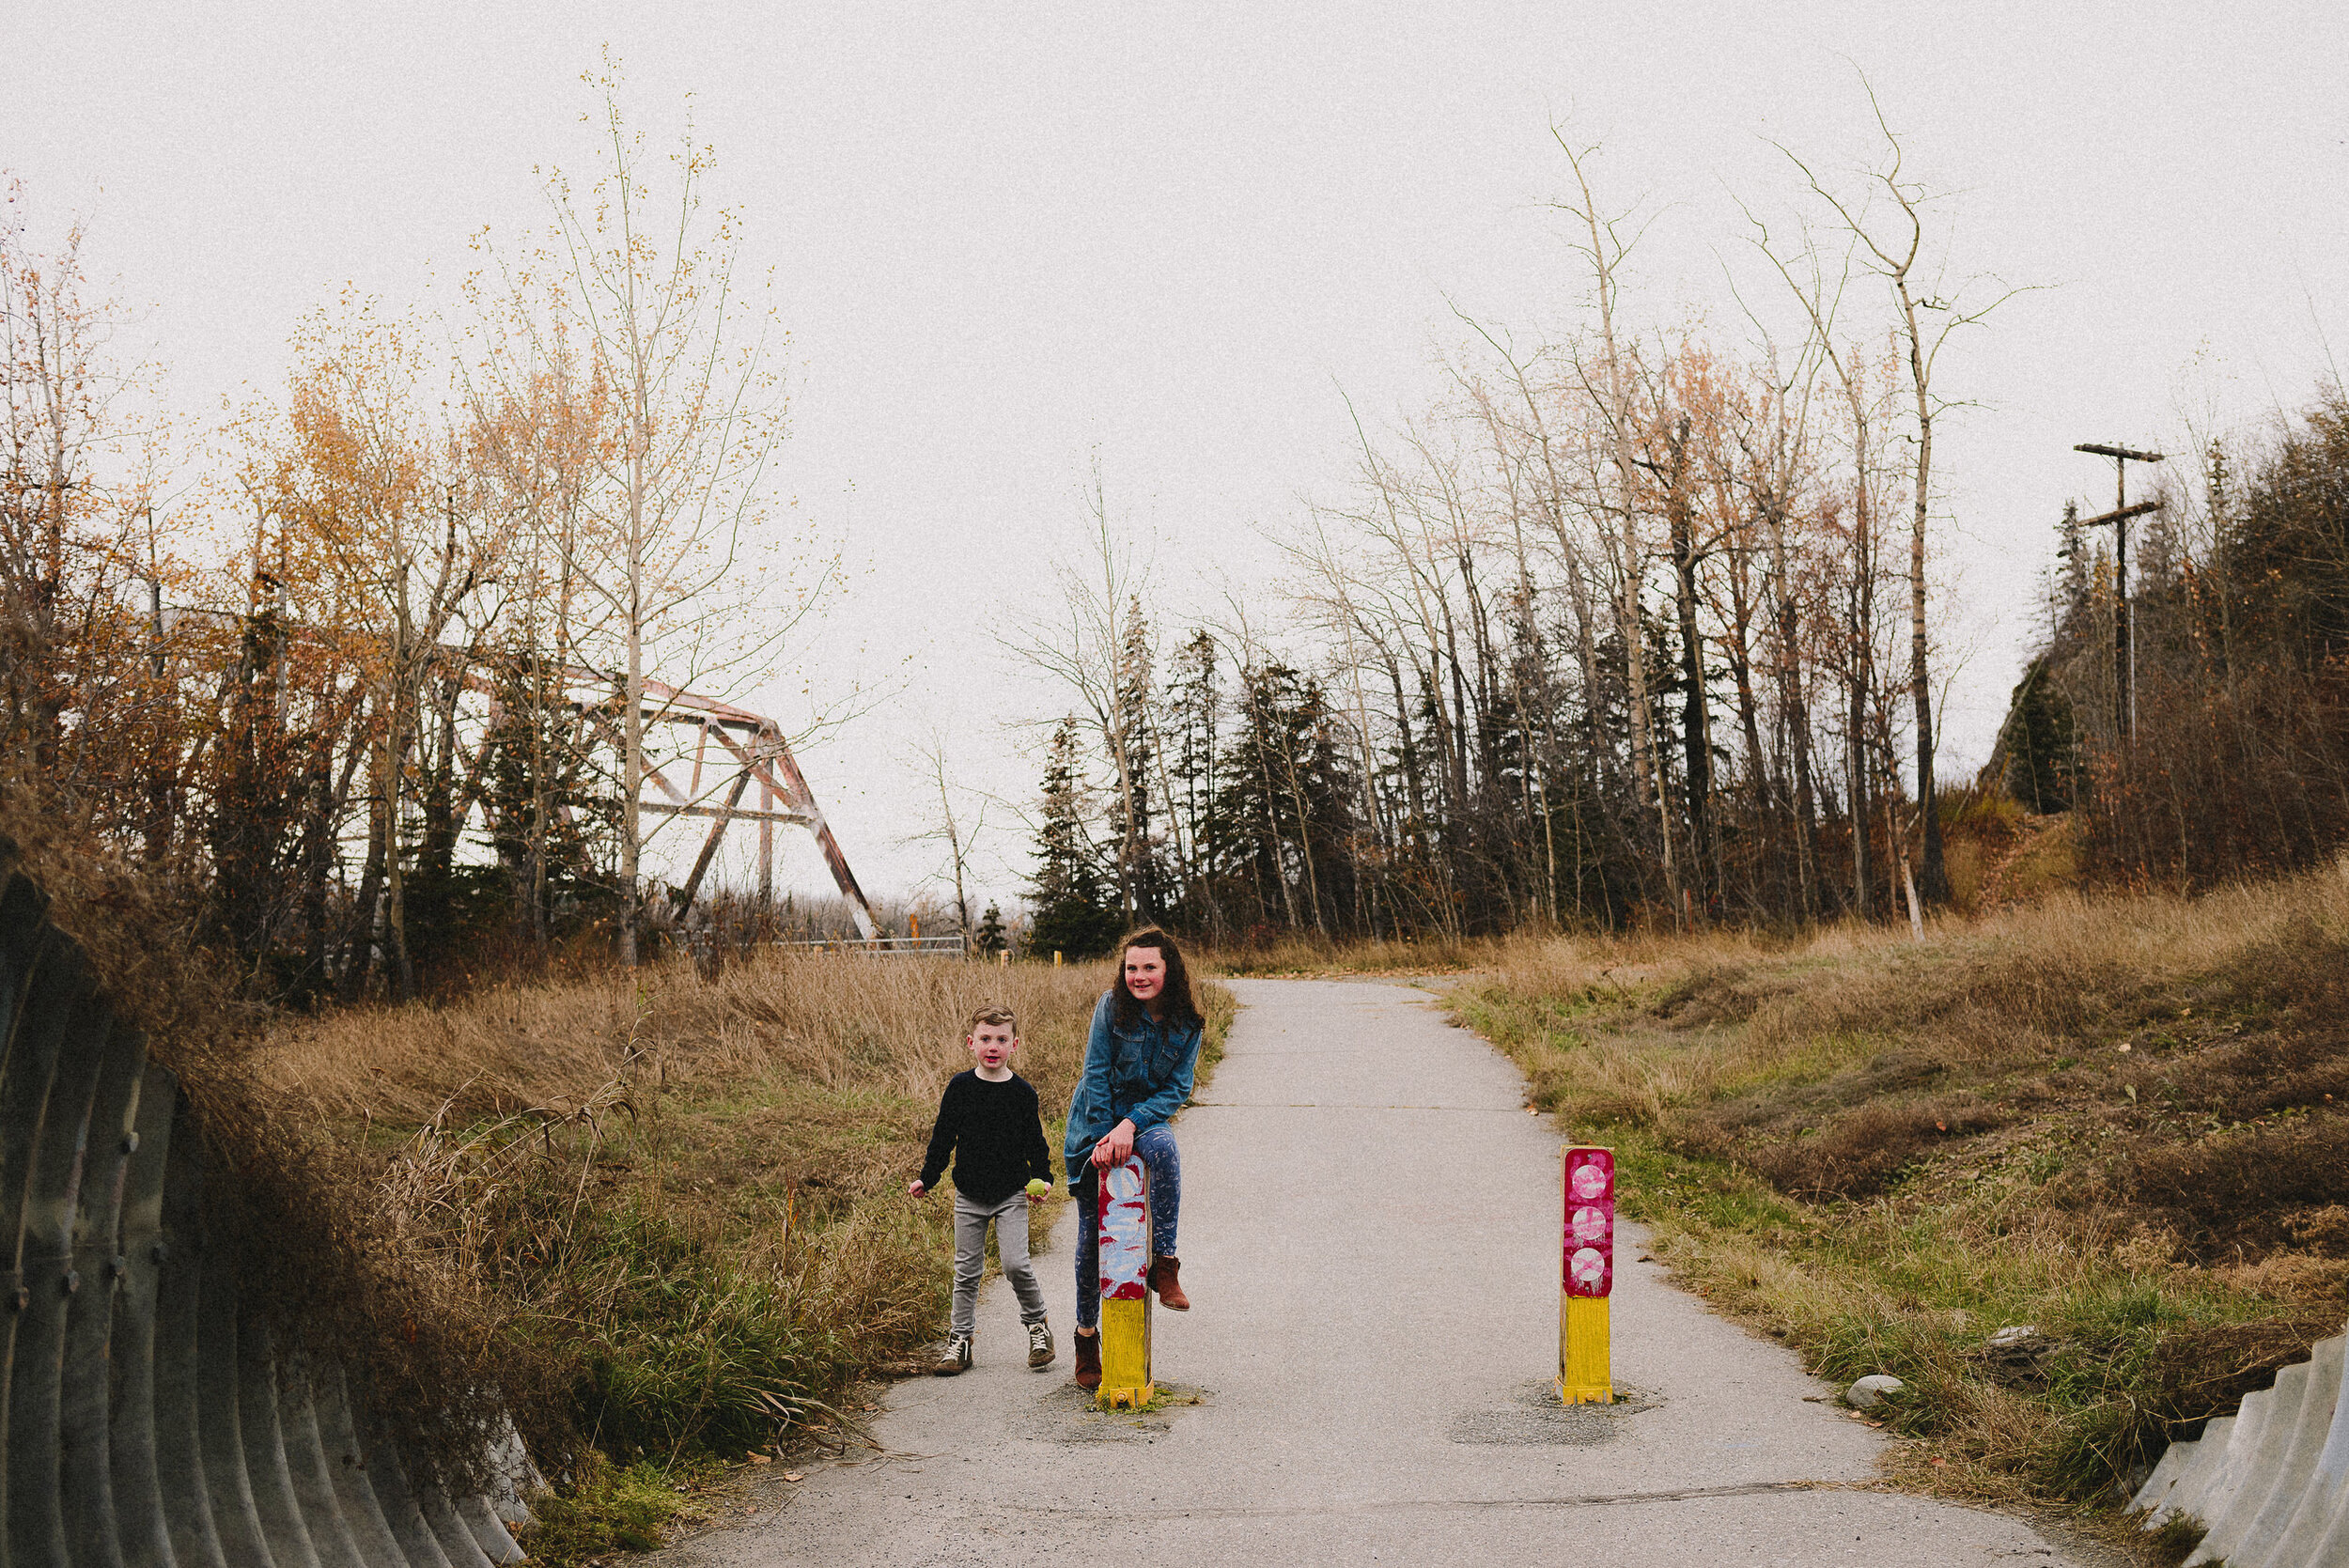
column 1586, row 1278
column 1125, row 1233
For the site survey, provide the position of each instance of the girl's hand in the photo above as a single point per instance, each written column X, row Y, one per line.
column 1117, row 1147
column 914, row 1189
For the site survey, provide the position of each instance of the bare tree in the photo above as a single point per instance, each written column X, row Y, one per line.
column 1895, row 246
column 679, row 550
column 954, row 827
column 1091, row 643
column 1609, row 386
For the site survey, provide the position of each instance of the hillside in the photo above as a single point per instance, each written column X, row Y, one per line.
column 2122, row 1122
column 676, row 1201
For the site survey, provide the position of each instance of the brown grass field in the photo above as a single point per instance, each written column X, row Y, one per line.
column 679, row 1202
column 2120, row 1119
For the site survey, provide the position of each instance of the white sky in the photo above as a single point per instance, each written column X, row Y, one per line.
column 1010, row 237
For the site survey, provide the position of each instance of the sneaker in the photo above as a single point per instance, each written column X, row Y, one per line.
column 1039, row 1344
column 955, row 1358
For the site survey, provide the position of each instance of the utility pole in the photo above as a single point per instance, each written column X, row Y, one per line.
column 2123, row 622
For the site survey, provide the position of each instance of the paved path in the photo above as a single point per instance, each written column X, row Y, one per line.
column 1369, row 1237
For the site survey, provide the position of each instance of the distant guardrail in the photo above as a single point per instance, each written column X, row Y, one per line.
column 888, row 947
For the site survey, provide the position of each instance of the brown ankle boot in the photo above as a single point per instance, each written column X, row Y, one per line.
column 1088, row 1361
column 1170, row 1289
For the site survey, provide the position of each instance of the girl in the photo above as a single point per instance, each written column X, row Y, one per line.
column 1139, row 1062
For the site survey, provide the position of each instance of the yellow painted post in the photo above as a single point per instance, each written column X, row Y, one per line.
column 1056, row 958
column 1586, row 1278
column 1124, row 1228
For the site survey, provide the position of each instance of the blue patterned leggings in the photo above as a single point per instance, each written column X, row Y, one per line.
column 1165, row 1164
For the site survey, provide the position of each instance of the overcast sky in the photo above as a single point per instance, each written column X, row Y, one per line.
column 1008, row 238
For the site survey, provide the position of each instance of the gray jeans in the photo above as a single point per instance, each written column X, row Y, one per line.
column 1011, row 1246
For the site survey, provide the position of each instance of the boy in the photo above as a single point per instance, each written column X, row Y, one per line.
column 988, row 1122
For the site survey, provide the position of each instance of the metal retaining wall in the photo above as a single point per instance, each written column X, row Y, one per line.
column 2270, row 1482
column 147, row 1424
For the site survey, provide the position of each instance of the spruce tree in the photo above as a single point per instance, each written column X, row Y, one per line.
column 1071, row 915
column 2073, row 552
column 1193, row 703
column 551, row 824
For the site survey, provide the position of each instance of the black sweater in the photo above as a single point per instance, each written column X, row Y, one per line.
column 995, row 1135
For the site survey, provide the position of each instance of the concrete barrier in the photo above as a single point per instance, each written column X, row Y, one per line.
column 2269, row 1485
column 148, row 1423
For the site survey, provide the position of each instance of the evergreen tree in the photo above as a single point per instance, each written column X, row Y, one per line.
column 1288, row 799
column 552, row 823
column 1192, row 704
column 1134, row 848
column 1071, row 915
column 2041, row 757
column 988, row 938
column 2072, row 550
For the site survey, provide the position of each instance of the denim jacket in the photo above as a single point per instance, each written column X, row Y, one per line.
column 1140, row 1072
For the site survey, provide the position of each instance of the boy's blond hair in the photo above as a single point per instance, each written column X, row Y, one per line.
column 995, row 1013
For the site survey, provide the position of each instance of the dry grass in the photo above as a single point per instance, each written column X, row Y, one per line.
column 687, row 1191
column 2120, row 1118
column 1724, row 1014
column 887, row 1026
column 278, row 1202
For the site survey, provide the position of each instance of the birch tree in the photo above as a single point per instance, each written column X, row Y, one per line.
column 1888, row 223
column 678, row 550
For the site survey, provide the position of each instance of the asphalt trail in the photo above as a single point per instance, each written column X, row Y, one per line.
column 1369, row 1237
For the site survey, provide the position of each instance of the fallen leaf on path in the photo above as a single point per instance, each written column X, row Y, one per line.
column 760, row 1459
column 793, row 1475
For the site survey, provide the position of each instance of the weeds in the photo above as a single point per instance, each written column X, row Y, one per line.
column 685, row 1191
column 2105, row 1118
column 606, row 1507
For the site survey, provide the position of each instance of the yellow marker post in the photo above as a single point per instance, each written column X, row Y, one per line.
column 1125, row 1231
column 1586, row 1278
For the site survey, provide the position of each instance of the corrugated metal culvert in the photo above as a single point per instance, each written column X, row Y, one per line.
column 150, row 1422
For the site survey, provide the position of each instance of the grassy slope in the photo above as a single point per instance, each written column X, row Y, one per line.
column 683, row 1198
column 2121, row 1121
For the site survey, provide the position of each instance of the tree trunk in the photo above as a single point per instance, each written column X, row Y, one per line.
column 359, row 963
column 1696, row 724
column 1933, row 874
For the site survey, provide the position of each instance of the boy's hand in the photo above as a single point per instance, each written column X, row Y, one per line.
column 914, row 1188
column 1038, row 1189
